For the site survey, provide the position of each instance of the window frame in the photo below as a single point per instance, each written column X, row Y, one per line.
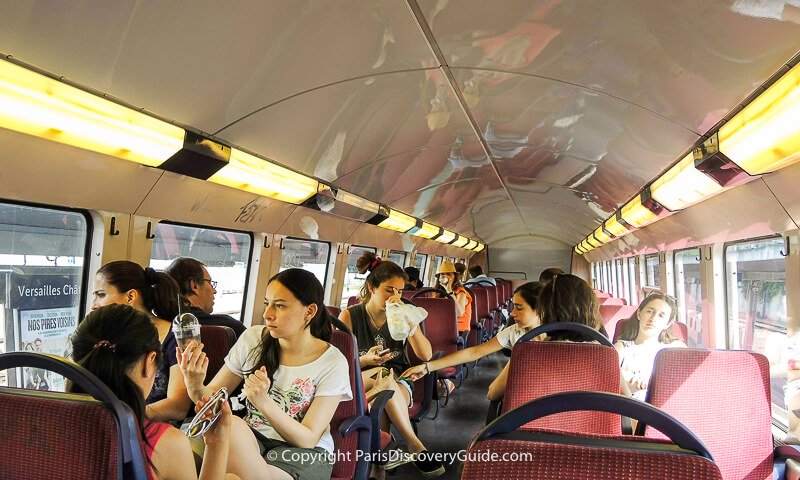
column 249, row 255
column 327, row 260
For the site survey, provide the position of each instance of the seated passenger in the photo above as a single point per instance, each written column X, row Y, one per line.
column 120, row 346
column 378, row 350
column 461, row 272
column 641, row 340
column 548, row 274
column 155, row 294
column 199, row 289
column 413, row 283
column 525, row 319
column 450, row 283
column 476, row 275
column 293, row 383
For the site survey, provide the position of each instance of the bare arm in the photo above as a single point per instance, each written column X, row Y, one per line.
column 173, row 457
column 456, row 358
column 305, row 434
column 498, row 387
column 193, row 364
column 461, row 303
column 421, row 345
column 177, row 403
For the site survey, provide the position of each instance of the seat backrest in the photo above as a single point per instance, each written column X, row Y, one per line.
column 441, row 325
column 492, row 293
column 481, row 301
column 334, row 311
column 501, row 450
column 346, row 463
column 724, row 397
column 601, row 294
column 352, row 301
column 423, row 387
column 65, row 435
column 678, row 329
column 474, row 337
column 217, row 342
column 543, row 368
column 612, row 301
column 612, row 314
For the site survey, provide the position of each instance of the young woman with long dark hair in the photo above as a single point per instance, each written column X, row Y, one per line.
column 156, row 294
column 293, row 382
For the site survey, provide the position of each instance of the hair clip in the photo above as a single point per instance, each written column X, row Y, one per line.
column 104, row 344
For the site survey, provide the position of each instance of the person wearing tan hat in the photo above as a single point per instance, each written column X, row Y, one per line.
column 449, row 281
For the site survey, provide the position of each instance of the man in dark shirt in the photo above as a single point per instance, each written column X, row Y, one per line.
column 197, row 287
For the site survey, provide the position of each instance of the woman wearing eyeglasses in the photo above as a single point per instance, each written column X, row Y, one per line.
column 156, row 294
column 378, row 350
column 643, row 336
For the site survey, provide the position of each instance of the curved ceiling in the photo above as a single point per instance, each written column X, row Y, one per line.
column 534, row 119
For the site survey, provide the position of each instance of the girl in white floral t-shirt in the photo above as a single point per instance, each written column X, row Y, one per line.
column 293, row 382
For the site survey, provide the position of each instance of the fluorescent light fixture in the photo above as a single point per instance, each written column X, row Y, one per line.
column 446, row 237
column 398, row 221
column 683, row 185
column 636, row 214
column 579, row 250
column 765, row 135
column 587, row 247
column 37, row 105
column 460, row 242
column 427, row 230
column 479, row 247
column 355, row 200
column 472, row 244
column 601, row 235
column 256, row 175
column 613, row 226
column 593, row 242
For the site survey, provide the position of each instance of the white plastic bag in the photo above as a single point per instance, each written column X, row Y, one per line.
column 400, row 316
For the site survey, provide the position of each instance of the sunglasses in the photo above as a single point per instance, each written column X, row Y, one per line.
column 199, row 425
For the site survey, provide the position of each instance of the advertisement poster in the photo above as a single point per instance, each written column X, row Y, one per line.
column 45, row 313
column 46, row 331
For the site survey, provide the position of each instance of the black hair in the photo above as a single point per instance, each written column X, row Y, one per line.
column 108, row 343
column 548, row 274
column 567, row 298
column 185, row 270
column 379, row 272
column 474, row 271
column 630, row 328
column 530, row 293
column 307, row 290
column 158, row 290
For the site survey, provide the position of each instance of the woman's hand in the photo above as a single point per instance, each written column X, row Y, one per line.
column 193, row 363
column 383, row 382
column 416, row 372
column 256, row 386
column 220, row 432
column 372, row 359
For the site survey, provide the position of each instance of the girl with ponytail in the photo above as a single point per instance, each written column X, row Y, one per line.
column 383, row 358
column 293, row 383
column 156, row 294
column 119, row 345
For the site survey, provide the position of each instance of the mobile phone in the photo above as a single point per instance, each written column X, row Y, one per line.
column 384, row 352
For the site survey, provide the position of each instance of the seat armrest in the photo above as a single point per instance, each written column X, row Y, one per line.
column 354, row 423
column 375, row 412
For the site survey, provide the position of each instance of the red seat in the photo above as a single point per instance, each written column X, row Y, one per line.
column 613, row 301
column 543, row 368
column 351, row 428
column 352, row 301
column 334, row 311
column 611, row 314
column 482, row 308
column 441, row 329
column 678, row 329
column 601, row 294
column 723, row 396
column 501, row 451
column 423, row 387
column 217, row 342
column 64, row 435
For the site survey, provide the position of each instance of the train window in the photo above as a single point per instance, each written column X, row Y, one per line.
column 633, row 280
column 420, row 261
column 437, row 262
column 42, row 284
column 757, row 316
column 226, row 255
column 622, row 281
column 398, row 257
column 596, row 276
column 353, row 281
column 309, row 255
column 689, row 296
column 652, row 275
column 608, row 277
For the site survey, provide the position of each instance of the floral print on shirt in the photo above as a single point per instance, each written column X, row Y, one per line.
column 295, row 401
